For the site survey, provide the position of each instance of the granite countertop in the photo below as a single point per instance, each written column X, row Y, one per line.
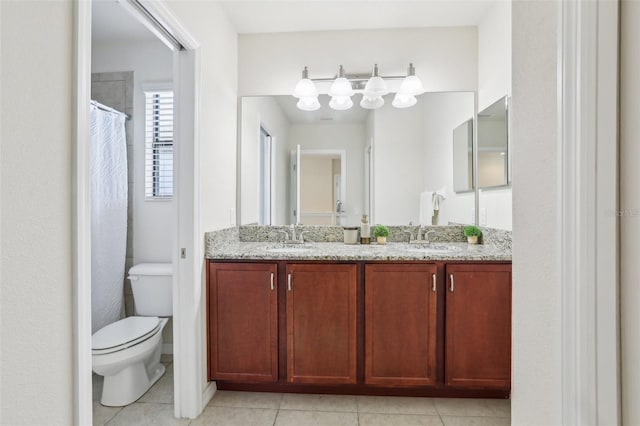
column 454, row 251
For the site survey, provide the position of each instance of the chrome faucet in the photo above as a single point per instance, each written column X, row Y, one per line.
column 426, row 235
column 410, row 235
column 286, row 234
column 291, row 238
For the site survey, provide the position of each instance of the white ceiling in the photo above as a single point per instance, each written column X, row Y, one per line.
column 111, row 22
column 268, row 16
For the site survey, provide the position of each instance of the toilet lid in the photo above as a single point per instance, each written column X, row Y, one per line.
column 124, row 331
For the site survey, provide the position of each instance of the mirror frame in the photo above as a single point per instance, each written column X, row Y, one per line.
column 503, row 100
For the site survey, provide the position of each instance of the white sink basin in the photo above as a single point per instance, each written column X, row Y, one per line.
column 432, row 248
column 288, row 249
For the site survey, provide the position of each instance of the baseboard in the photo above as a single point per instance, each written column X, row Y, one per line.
column 207, row 394
column 167, row 348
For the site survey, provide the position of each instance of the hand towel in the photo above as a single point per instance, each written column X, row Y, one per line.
column 437, row 197
column 426, row 207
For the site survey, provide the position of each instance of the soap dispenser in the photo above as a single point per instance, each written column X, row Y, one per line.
column 365, row 231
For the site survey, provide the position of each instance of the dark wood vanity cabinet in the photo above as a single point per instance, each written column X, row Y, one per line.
column 321, row 323
column 400, row 324
column 243, row 322
column 478, row 326
column 401, row 328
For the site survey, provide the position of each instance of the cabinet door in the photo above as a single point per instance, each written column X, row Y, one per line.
column 400, row 324
column 478, row 326
column 243, row 322
column 321, row 323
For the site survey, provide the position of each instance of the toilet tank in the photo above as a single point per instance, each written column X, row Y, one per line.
column 152, row 286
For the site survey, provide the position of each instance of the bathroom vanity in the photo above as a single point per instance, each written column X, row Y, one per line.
column 399, row 319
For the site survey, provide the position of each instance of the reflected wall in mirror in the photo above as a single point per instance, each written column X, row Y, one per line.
column 494, row 174
column 393, row 157
column 493, row 152
column 463, row 157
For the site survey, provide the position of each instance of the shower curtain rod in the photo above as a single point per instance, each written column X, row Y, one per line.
column 108, row 109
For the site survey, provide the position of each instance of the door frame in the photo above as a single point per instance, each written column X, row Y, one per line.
column 189, row 364
column 588, row 198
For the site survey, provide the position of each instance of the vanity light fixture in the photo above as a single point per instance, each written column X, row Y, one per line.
column 375, row 89
column 307, row 92
column 342, row 89
column 341, row 92
column 410, row 88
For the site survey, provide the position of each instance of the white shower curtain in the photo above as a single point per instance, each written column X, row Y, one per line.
column 108, row 215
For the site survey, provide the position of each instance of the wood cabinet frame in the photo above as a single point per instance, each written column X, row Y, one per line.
column 440, row 388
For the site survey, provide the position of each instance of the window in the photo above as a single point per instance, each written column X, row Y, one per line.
column 158, row 144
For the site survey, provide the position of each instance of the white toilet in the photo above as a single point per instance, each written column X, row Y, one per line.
column 127, row 352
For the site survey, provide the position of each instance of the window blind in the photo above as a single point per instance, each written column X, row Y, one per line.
column 158, row 144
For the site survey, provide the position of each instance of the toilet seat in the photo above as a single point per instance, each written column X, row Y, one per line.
column 123, row 334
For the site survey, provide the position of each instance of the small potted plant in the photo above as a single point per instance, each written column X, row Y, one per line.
column 472, row 233
column 381, row 233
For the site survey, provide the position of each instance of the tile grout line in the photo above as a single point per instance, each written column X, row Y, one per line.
column 435, row 406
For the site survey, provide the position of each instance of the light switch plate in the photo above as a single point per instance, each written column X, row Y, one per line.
column 483, row 216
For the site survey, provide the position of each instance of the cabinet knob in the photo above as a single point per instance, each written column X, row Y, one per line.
column 433, row 286
column 451, row 283
column 289, row 282
column 272, row 287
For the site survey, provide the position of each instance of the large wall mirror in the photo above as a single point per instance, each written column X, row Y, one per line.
column 331, row 166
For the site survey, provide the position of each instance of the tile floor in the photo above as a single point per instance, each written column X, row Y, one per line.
column 274, row 409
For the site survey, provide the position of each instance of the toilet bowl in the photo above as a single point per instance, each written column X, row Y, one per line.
column 127, row 352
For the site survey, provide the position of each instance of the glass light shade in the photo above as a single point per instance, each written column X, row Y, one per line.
column 369, row 102
column 402, row 100
column 308, row 104
column 305, row 89
column 411, row 85
column 375, row 87
column 340, row 103
column 341, row 87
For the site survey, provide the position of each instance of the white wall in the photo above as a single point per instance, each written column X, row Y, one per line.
column 536, row 397
column 209, row 25
column 442, row 112
column 350, row 137
column 494, row 82
column 445, row 58
column 494, row 54
column 216, row 200
column 36, row 193
column 151, row 62
column 629, row 209
column 265, row 112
